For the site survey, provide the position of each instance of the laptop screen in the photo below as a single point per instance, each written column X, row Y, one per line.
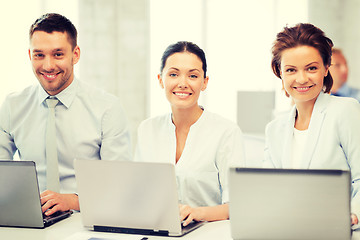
column 136, row 195
column 289, row 204
column 19, row 195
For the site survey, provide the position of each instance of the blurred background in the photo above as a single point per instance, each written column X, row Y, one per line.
column 122, row 41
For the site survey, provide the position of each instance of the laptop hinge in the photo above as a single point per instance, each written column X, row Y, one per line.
column 130, row 230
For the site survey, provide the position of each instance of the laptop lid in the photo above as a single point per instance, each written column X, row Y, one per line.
column 128, row 197
column 20, row 203
column 19, row 195
column 289, row 204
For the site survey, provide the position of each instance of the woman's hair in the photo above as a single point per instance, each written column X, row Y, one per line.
column 183, row 46
column 303, row 34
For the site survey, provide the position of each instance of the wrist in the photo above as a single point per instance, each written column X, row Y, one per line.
column 203, row 213
column 74, row 202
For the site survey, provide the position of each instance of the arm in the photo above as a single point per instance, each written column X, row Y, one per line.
column 230, row 153
column 215, row 213
column 52, row 202
column 116, row 142
column 349, row 133
column 139, row 146
column 267, row 162
column 7, row 145
column 115, row 145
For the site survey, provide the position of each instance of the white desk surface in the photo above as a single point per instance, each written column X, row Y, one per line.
column 72, row 229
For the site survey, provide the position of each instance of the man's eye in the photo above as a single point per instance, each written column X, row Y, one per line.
column 172, row 74
column 193, row 76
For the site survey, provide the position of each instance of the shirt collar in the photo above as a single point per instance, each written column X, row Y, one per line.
column 66, row 96
column 172, row 125
column 320, row 104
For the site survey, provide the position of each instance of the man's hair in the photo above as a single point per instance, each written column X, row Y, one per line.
column 337, row 51
column 53, row 22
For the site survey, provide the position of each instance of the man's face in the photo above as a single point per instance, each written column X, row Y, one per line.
column 339, row 69
column 53, row 59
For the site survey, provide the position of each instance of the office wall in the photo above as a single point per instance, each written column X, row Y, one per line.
column 114, row 40
column 236, row 35
column 339, row 19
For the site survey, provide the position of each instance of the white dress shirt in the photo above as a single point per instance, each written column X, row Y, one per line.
column 90, row 124
column 212, row 145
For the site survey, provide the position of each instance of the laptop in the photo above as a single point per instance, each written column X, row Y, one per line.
column 20, row 203
column 289, row 204
column 129, row 197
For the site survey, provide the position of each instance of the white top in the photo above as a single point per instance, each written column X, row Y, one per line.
column 90, row 124
column 212, row 145
column 298, row 147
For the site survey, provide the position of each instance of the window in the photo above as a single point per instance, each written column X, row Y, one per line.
column 236, row 35
column 16, row 18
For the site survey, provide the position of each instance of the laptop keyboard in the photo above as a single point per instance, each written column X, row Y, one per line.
column 191, row 225
column 46, row 218
column 56, row 216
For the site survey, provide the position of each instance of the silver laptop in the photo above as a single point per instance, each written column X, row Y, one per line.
column 129, row 197
column 289, row 204
column 20, row 204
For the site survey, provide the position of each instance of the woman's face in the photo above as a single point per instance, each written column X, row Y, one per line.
column 302, row 73
column 183, row 80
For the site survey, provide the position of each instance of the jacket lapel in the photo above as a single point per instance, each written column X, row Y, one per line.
column 288, row 137
column 316, row 122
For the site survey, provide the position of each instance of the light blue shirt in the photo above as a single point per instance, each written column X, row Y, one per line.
column 347, row 91
column 90, row 124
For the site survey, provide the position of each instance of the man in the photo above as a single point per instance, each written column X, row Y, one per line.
column 89, row 123
column 339, row 71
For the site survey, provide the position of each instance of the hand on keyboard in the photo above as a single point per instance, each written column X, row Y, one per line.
column 354, row 222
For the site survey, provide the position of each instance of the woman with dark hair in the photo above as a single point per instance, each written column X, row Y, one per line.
column 321, row 131
column 201, row 144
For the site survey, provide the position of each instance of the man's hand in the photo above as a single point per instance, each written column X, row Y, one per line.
column 52, row 202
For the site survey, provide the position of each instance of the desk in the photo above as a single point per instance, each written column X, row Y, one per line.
column 58, row 231
column 72, row 229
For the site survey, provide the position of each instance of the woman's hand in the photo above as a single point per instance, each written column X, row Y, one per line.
column 354, row 219
column 188, row 214
column 215, row 213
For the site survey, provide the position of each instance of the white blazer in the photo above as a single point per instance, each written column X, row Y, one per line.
column 333, row 140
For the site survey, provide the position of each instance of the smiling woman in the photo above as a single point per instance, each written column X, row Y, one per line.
column 182, row 78
column 321, row 131
column 201, row 144
column 303, row 73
